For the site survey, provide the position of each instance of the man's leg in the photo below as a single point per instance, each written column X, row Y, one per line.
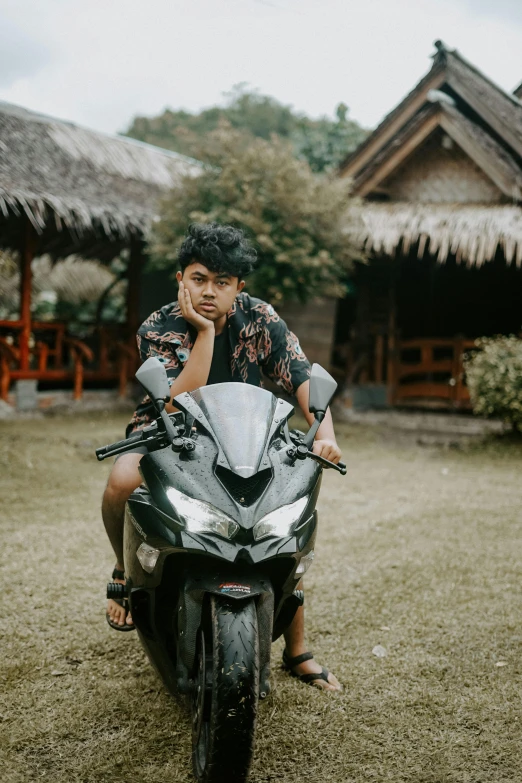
column 123, row 480
column 295, row 645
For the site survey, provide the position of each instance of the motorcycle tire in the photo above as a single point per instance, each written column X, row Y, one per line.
column 226, row 692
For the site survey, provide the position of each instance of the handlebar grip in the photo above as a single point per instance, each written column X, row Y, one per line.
column 102, row 452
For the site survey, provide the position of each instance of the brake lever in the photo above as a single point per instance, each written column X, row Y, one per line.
column 340, row 466
column 302, row 452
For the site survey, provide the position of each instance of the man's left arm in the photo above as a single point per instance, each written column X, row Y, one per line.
column 287, row 365
column 325, row 444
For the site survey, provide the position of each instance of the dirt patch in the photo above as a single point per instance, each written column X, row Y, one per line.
column 418, row 553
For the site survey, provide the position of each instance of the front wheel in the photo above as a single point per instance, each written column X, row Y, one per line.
column 226, row 692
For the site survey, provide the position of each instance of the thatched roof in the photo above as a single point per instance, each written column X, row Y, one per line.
column 81, row 179
column 478, row 98
column 472, row 233
column 453, row 107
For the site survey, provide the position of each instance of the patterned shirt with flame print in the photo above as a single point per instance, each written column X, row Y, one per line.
column 260, row 341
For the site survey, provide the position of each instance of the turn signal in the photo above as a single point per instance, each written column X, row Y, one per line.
column 148, row 557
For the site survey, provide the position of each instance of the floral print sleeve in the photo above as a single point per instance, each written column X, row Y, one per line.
column 281, row 356
column 158, row 337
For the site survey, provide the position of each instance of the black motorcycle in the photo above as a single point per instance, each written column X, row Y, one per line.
column 216, row 540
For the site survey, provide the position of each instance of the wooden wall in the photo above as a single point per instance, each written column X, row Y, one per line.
column 314, row 325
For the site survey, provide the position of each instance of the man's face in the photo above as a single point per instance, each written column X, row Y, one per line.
column 212, row 293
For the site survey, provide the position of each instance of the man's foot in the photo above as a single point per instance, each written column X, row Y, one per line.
column 118, row 613
column 305, row 668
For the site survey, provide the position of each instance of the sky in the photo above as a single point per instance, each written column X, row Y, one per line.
column 101, row 62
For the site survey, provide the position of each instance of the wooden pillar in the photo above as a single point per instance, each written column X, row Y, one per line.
column 26, row 279
column 392, row 334
column 136, row 261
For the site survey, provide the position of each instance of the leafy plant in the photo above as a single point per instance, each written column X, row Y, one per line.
column 494, row 376
column 296, row 219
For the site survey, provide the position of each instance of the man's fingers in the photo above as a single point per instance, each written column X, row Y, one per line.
column 185, row 301
column 327, row 450
column 181, row 298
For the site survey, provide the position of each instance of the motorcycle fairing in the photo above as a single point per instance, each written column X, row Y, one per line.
column 194, row 476
column 146, row 522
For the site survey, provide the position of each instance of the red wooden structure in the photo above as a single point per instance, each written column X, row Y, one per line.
column 428, row 370
column 64, row 190
column 44, row 351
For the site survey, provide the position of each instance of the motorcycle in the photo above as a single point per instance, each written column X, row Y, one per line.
column 216, row 540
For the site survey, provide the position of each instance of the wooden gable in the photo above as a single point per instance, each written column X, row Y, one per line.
column 439, row 171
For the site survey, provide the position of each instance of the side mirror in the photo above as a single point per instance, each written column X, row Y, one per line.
column 322, row 389
column 153, row 377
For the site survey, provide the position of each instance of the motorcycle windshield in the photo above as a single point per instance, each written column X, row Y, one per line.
column 240, row 416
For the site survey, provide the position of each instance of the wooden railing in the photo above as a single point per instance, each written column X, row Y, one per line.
column 428, row 369
column 61, row 357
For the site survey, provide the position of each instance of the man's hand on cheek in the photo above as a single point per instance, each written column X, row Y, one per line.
column 199, row 322
column 328, row 449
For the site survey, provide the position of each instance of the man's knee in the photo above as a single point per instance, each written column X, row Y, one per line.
column 123, row 479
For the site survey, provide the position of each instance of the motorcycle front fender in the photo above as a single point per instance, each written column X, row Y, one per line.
column 230, row 582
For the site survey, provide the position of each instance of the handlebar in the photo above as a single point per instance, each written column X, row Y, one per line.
column 120, row 446
column 152, row 437
column 301, row 451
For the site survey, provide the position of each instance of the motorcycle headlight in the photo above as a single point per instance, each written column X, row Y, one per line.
column 281, row 521
column 200, row 517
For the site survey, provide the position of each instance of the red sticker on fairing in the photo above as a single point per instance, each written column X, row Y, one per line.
column 234, row 587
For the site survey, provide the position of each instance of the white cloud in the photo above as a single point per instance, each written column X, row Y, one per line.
column 21, row 55
column 110, row 60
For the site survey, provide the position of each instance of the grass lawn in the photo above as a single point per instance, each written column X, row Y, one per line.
column 419, row 551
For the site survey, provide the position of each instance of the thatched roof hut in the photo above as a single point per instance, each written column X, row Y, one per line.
column 440, row 219
column 443, row 170
column 68, row 190
column 75, row 183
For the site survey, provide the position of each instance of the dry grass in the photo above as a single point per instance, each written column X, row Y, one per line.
column 419, row 552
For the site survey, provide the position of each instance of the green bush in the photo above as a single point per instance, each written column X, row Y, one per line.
column 297, row 220
column 494, row 376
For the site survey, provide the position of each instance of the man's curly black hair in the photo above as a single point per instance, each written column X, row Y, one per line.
column 220, row 248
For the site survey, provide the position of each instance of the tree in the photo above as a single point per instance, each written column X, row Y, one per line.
column 324, row 143
column 296, row 219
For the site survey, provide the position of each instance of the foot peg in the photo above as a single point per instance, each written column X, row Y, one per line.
column 116, row 591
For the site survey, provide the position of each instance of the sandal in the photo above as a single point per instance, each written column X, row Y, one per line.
column 290, row 663
column 118, row 592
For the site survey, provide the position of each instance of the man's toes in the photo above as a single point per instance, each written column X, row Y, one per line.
column 333, row 683
column 129, row 619
column 116, row 613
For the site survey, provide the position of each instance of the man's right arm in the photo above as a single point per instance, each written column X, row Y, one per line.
column 197, row 367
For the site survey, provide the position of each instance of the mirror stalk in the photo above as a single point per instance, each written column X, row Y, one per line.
column 170, row 428
column 312, row 432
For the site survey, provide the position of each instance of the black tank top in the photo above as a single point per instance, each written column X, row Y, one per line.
column 220, row 367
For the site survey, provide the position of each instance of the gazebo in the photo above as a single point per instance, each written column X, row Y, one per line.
column 66, row 190
column 440, row 183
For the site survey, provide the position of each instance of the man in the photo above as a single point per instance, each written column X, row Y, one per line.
column 217, row 334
